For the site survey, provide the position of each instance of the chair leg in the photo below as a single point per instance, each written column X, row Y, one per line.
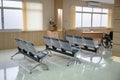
column 70, row 62
column 40, row 63
column 48, row 51
column 45, row 66
column 15, row 54
column 73, row 61
column 25, row 57
column 33, row 68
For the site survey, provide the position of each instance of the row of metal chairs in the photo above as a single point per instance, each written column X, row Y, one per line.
column 86, row 43
column 59, row 45
column 62, row 46
column 28, row 49
column 65, row 47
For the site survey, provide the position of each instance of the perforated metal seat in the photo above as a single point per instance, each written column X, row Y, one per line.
column 78, row 41
column 55, row 43
column 89, row 42
column 48, row 41
column 70, row 38
column 65, row 46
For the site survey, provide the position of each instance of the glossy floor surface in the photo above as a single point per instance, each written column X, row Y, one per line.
column 18, row 68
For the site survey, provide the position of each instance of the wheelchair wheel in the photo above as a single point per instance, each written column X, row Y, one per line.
column 106, row 43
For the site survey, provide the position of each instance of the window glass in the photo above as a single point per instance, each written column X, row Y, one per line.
column 105, row 10
column 78, row 19
column 13, row 19
column 2, row 74
column 97, row 10
column 0, row 20
column 91, row 17
column 0, row 3
column 104, row 20
column 86, row 20
column 34, row 6
column 34, row 20
column 78, row 8
column 96, row 20
column 9, row 3
column 87, row 9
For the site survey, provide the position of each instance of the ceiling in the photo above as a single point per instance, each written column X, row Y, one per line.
column 103, row 1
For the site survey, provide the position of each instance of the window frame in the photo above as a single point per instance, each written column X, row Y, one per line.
column 2, row 8
column 92, row 13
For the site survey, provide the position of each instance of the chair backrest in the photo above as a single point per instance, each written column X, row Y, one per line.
column 55, row 43
column 89, row 42
column 48, row 41
column 30, row 47
column 70, row 38
column 65, row 45
column 78, row 40
column 20, row 44
column 24, row 45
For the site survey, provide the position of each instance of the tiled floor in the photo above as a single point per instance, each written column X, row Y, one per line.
column 17, row 69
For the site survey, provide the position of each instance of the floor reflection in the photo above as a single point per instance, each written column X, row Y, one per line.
column 107, row 69
column 9, row 73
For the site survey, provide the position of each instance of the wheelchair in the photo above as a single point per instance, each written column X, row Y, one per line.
column 107, row 40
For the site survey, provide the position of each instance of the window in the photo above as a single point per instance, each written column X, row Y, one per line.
column 96, row 20
column 13, row 4
column 11, row 15
column 105, row 10
column 34, row 16
column 13, row 19
column 86, row 20
column 87, row 9
column 91, row 17
column 104, row 20
column 78, row 19
column 0, row 3
column 97, row 10
column 14, row 15
column 78, row 8
column 0, row 20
